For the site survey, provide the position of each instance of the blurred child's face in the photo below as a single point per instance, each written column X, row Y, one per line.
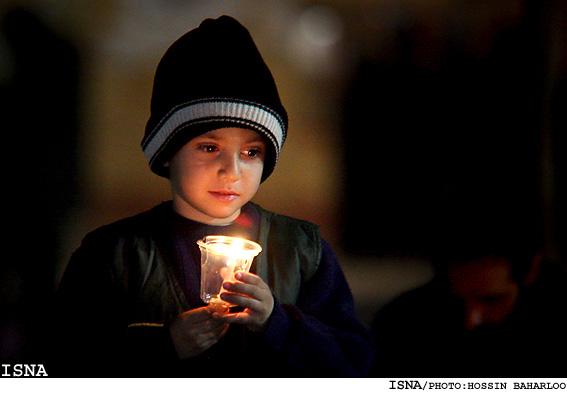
column 216, row 173
column 487, row 289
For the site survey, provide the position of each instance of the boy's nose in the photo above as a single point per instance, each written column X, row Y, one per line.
column 230, row 167
column 474, row 317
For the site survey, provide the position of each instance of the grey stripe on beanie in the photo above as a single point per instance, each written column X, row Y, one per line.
column 212, row 111
column 213, row 77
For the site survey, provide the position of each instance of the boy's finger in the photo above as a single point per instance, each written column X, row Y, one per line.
column 249, row 278
column 202, row 314
column 195, row 315
column 245, row 289
column 235, row 318
column 243, row 301
column 211, row 325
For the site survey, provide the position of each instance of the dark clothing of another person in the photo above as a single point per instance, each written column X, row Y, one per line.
column 422, row 334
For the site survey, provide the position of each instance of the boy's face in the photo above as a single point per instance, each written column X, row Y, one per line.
column 487, row 289
column 216, row 173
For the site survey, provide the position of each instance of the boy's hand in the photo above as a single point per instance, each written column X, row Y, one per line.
column 195, row 331
column 251, row 292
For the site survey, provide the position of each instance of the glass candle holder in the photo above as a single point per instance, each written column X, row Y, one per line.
column 221, row 257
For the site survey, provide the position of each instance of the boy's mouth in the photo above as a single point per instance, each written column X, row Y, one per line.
column 224, row 195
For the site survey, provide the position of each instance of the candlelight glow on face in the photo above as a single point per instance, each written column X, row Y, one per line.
column 221, row 257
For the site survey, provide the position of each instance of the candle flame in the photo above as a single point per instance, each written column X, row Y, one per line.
column 238, row 244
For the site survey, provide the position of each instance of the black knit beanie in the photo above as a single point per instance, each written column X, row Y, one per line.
column 212, row 77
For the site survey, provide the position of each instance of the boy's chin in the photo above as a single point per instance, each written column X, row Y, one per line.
column 224, row 216
column 209, row 215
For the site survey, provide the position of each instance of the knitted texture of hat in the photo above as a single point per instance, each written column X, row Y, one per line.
column 213, row 77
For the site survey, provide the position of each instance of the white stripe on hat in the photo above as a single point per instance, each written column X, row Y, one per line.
column 199, row 112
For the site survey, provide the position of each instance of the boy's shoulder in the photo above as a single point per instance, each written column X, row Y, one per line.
column 139, row 225
column 270, row 217
column 293, row 250
column 289, row 232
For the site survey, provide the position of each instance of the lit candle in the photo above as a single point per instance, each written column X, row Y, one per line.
column 220, row 257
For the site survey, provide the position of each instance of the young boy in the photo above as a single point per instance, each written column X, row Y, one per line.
column 129, row 303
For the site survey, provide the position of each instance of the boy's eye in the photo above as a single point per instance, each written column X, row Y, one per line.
column 252, row 152
column 208, row 148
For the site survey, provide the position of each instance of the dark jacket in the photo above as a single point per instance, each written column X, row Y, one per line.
column 119, row 293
